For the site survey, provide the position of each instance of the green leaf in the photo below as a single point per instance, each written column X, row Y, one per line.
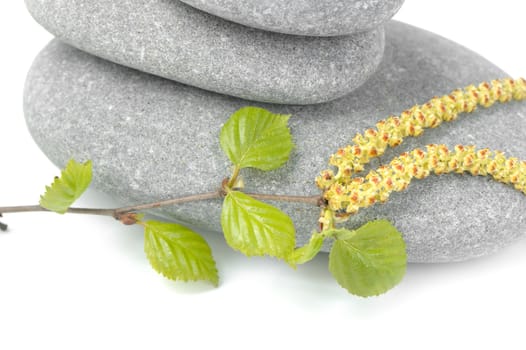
column 307, row 252
column 256, row 228
column 178, row 253
column 254, row 137
column 67, row 188
column 370, row 260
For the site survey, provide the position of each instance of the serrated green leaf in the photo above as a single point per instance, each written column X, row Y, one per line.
column 370, row 260
column 256, row 228
column 254, row 137
column 66, row 189
column 307, row 252
column 178, row 253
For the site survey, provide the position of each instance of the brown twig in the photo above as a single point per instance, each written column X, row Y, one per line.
column 168, row 202
column 117, row 213
column 37, row 208
column 314, row 200
column 3, row 227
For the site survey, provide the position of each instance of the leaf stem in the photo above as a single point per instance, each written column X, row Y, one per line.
column 234, row 176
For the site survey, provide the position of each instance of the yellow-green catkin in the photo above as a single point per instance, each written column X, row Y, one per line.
column 346, row 199
column 345, row 194
column 412, row 122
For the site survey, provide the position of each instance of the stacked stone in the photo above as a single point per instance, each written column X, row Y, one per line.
column 142, row 88
column 173, row 40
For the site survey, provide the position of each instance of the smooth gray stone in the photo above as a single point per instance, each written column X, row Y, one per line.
column 307, row 17
column 153, row 139
column 175, row 41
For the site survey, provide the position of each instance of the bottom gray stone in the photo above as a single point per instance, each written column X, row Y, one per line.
column 152, row 139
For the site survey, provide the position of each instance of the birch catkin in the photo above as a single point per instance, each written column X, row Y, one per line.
column 345, row 199
column 412, row 122
column 345, row 193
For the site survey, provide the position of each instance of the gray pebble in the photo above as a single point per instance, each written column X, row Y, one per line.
column 308, row 17
column 175, row 41
column 151, row 139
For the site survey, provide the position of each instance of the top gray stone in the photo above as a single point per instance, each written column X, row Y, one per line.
column 307, row 17
column 175, row 41
column 151, row 139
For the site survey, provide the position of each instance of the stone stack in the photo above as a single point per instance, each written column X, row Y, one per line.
column 142, row 87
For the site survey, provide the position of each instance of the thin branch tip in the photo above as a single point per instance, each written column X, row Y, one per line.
column 3, row 227
column 313, row 200
column 127, row 215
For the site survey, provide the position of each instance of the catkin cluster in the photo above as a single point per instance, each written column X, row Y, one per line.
column 412, row 122
column 345, row 199
column 345, row 194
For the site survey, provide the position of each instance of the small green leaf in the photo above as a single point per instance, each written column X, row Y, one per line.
column 254, row 137
column 178, row 253
column 307, row 252
column 370, row 260
column 67, row 188
column 256, row 228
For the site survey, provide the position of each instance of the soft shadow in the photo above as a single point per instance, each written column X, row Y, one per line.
column 192, row 288
column 310, row 286
column 421, row 275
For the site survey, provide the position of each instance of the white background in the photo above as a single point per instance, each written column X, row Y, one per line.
column 83, row 282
